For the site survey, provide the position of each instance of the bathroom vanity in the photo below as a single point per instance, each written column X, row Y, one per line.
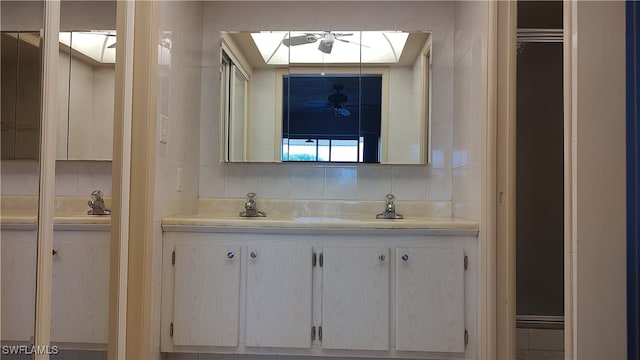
column 80, row 278
column 327, row 279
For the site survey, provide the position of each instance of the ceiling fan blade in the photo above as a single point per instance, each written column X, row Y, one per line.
column 343, row 112
column 353, row 42
column 300, row 40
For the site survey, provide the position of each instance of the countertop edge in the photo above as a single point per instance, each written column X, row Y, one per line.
column 320, row 230
column 65, row 222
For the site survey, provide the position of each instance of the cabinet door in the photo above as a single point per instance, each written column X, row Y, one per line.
column 18, row 285
column 279, row 296
column 206, row 294
column 355, row 298
column 430, row 299
column 80, row 287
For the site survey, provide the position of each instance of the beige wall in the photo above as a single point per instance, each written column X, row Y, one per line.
column 599, row 180
column 21, row 15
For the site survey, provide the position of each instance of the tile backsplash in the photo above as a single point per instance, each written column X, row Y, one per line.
column 330, row 182
column 73, row 178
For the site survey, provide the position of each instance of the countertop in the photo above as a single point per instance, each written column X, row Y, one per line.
column 20, row 213
column 308, row 224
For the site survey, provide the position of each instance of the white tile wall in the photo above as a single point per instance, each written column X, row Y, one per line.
column 468, row 114
column 341, row 182
column 373, row 180
column 307, row 182
column 364, row 182
column 73, row 178
column 179, row 88
column 274, row 181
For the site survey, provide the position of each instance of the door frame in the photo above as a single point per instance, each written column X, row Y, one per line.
column 47, row 177
column 505, row 103
column 506, row 182
column 121, row 180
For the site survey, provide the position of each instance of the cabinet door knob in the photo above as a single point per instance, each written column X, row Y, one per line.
column 254, row 254
column 381, row 257
column 405, row 257
column 230, row 255
column 54, row 252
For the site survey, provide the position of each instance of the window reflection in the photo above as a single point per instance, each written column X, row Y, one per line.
column 319, row 150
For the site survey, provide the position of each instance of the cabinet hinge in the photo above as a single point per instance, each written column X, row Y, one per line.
column 466, row 262
column 313, row 260
column 171, row 329
column 321, row 260
column 173, row 257
column 320, row 333
column 313, row 333
column 466, row 337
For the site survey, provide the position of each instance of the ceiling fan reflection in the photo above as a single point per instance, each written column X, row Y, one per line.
column 337, row 101
column 327, row 39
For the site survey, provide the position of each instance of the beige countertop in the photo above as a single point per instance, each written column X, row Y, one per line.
column 317, row 224
column 20, row 212
column 320, row 216
column 283, row 216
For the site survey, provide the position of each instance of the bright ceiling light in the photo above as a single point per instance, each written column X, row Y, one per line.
column 338, row 46
column 96, row 45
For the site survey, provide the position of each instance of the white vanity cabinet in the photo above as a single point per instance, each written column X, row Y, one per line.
column 429, row 296
column 279, row 297
column 80, row 284
column 319, row 293
column 80, row 287
column 18, row 284
column 206, row 294
column 355, row 298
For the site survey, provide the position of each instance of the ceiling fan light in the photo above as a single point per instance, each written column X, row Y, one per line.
column 325, row 46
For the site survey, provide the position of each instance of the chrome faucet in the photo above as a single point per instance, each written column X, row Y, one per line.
column 389, row 209
column 250, row 209
column 97, row 204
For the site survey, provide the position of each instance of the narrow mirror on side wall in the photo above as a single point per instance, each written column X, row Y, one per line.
column 21, row 67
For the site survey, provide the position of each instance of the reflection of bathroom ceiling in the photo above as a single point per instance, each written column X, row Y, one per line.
column 406, row 56
column 377, row 46
column 31, row 38
column 93, row 44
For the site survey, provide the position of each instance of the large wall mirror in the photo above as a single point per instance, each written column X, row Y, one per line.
column 325, row 96
column 86, row 81
column 86, row 85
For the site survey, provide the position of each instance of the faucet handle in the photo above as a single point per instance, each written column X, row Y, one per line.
column 251, row 195
column 390, row 209
column 389, row 198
